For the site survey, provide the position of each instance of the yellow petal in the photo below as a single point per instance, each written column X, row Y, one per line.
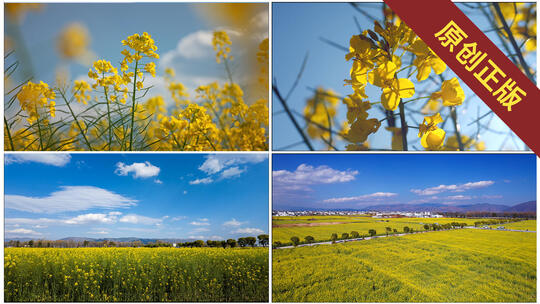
column 438, row 65
column 405, row 87
column 390, row 99
column 433, row 140
column 423, row 68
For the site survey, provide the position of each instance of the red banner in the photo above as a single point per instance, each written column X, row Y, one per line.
column 477, row 61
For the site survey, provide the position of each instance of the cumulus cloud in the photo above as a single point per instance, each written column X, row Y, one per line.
column 94, row 218
column 226, row 165
column 179, row 218
column 139, row 219
column 215, row 163
column 232, row 172
column 196, row 45
column 206, row 180
column 362, row 198
column 309, row 175
column 199, row 230
column 248, row 231
column 200, row 223
column 21, row 232
column 139, row 170
column 69, row 198
column 232, row 223
column 57, row 160
column 453, row 188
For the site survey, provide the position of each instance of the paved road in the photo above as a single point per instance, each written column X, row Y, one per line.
column 400, row 234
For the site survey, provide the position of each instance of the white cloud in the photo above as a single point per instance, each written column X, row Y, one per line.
column 196, row 45
column 232, row 172
column 459, row 197
column 157, row 181
column 248, row 231
column 367, row 197
column 179, row 218
column 100, row 218
column 185, row 192
column 233, row 223
column 199, row 230
column 29, row 221
column 69, row 198
column 309, row 175
column 196, row 237
column 139, row 219
column 216, row 238
column 202, row 222
column 99, row 232
column 139, row 170
column 206, row 180
column 21, row 232
column 58, row 160
column 215, row 163
column 452, row 188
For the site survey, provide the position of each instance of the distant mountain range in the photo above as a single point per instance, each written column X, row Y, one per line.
column 434, row 207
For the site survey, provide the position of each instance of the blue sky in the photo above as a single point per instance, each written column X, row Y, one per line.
column 198, row 196
column 182, row 33
column 354, row 181
column 297, row 29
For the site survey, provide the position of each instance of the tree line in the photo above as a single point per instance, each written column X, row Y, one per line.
column 250, row 241
column 295, row 241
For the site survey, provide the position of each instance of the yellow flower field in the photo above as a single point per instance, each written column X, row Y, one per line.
column 346, row 224
column 466, row 265
column 135, row 274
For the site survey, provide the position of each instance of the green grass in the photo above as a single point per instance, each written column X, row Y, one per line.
column 446, row 266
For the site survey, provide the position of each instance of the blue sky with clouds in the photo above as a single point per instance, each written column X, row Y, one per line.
column 360, row 180
column 182, row 33
column 197, row 196
column 297, row 29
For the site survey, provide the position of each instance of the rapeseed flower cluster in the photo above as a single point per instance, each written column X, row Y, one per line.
column 117, row 115
column 376, row 56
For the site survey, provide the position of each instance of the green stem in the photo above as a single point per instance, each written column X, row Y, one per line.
column 76, row 121
column 453, row 115
column 109, row 118
column 9, row 134
column 133, row 106
column 39, row 130
column 229, row 74
column 404, row 127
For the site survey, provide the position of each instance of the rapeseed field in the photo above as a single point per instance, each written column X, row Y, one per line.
column 464, row 265
column 135, row 274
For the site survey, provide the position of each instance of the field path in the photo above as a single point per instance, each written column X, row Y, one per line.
column 399, row 234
